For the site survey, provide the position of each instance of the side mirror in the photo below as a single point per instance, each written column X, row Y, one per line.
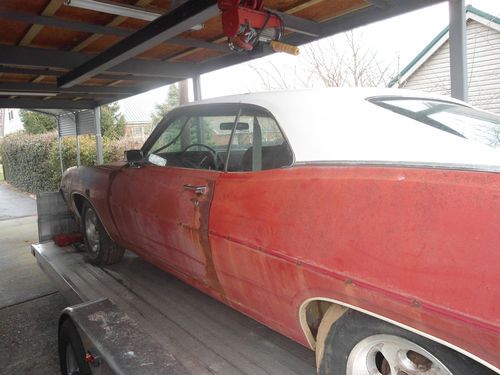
column 134, row 157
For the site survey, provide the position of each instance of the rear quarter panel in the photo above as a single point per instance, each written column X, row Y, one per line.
column 93, row 183
column 418, row 246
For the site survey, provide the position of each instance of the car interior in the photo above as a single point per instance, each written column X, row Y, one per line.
column 255, row 145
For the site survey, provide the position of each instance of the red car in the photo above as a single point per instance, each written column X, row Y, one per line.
column 362, row 223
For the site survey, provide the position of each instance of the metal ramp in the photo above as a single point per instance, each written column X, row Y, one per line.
column 202, row 335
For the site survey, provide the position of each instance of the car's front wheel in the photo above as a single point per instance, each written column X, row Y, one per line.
column 101, row 249
column 358, row 344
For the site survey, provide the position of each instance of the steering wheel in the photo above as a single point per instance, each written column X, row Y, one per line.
column 213, row 154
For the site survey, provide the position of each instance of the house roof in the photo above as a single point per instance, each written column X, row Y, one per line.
column 471, row 13
column 134, row 114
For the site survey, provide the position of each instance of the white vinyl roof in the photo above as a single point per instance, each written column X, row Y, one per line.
column 341, row 125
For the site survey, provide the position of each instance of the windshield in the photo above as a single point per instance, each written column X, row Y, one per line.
column 456, row 119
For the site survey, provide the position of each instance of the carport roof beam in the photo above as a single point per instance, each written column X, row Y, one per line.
column 41, row 57
column 167, row 26
column 56, row 73
column 43, row 88
column 98, row 29
column 29, row 103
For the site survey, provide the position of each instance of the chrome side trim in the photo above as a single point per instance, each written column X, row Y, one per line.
column 312, row 341
column 400, row 164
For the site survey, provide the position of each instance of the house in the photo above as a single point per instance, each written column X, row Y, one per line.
column 430, row 69
column 138, row 121
column 9, row 121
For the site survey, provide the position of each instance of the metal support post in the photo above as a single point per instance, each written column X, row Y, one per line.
column 59, row 137
column 197, row 87
column 458, row 50
column 77, row 130
column 78, row 161
column 98, row 135
column 61, row 155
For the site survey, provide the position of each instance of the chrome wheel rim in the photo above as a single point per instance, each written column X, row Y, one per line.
column 71, row 363
column 91, row 232
column 392, row 355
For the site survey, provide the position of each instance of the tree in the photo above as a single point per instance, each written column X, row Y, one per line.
column 36, row 122
column 112, row 121
column 340, row 61
column 172, row 101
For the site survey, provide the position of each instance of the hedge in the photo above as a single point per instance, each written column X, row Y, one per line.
column 31, row 161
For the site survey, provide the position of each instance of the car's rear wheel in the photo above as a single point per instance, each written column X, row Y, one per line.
column 358, row 344
column 101, row 249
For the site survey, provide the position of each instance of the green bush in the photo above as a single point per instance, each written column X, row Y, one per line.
column 31, row 161
column 26, row 159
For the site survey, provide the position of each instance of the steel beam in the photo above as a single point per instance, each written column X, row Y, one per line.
column 299, row 25
column 62, row 23
column 98, row 29
column 458, row 50
column 165, row 27
column 55, row 73
column 42, row 87
column 41, row 57
column 29, row 103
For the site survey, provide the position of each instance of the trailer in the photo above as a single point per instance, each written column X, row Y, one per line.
column 132, row 318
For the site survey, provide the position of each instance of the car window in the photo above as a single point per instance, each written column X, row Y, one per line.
column 192, row 142
column 456, row 119
column 258, row 144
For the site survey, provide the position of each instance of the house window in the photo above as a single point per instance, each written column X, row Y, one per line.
column 137, row 131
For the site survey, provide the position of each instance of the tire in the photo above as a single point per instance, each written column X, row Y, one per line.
column 71, row 351
column 358, row 344
column 101, row 249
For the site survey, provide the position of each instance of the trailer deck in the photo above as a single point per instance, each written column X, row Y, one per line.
column 197, row 334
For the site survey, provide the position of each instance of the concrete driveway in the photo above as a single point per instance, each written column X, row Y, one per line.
column 29, row 304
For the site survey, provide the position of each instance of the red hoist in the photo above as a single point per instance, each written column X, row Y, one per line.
column 246, row 23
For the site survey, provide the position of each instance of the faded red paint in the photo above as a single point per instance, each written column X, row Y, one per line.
column 418, row 246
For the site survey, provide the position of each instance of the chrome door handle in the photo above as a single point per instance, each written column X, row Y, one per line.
column 197, row 189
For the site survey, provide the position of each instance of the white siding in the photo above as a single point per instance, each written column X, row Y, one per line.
column 483, row 60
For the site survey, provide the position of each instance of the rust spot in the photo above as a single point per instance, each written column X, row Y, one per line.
column 415, row 303
column 203, row 215
column 298, row 262
column 348, row 282
column 112, row 176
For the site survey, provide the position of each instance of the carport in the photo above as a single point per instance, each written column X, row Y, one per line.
column 81, row 54
column 68, row 58
column 76, row 55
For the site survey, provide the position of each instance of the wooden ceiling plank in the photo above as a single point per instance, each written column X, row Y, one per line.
column 33, row 31
column 303, row 6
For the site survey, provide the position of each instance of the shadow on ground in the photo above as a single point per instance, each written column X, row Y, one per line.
column 29, row 304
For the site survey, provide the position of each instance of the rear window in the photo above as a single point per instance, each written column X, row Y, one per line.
column 456, row 119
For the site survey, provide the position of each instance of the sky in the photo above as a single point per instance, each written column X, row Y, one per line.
column 404, row 36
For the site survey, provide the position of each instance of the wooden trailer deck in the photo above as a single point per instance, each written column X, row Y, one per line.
column 203, row 335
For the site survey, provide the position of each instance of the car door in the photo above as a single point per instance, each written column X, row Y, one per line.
column 162, row 206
